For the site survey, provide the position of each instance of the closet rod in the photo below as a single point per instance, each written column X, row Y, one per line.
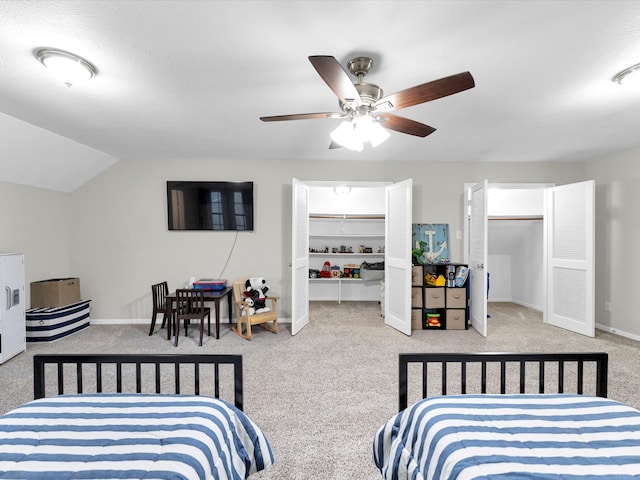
column 515, row 218
column 345, row 216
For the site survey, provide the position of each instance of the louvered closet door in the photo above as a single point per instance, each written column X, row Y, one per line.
column 570, row 253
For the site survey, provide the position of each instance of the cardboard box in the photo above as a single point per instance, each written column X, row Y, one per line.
column 55, row 292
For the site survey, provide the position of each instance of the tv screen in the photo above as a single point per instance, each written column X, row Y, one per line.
column 210, row 205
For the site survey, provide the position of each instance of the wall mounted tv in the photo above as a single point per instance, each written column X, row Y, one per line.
column 210, row 205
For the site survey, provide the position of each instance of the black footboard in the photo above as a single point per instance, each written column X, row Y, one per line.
column 517, row 363
column 127, row 368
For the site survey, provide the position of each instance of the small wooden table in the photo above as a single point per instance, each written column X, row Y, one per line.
column 209, row 296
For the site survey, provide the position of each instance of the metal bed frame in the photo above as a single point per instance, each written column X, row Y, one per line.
column 99, row 360
column 520, row 359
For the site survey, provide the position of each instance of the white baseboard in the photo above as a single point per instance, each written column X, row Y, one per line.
column 616, row 331
column 517, row 302
column 146, row 321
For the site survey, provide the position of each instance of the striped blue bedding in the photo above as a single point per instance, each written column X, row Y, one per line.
column 138, row 436
column 510, row 437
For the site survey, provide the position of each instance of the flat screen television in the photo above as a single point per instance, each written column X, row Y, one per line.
column 210, row 205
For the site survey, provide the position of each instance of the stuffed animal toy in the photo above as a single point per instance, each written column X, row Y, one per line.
column 248, row 305
column 258, row 288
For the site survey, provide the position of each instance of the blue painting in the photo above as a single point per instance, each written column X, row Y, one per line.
column 430, row 243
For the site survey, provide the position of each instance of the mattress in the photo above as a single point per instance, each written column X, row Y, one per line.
column 510, row 437
column 102, row 436
column 50, row 324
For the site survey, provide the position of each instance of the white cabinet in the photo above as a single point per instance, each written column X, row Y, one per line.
column 12, row 316
column 345, row 242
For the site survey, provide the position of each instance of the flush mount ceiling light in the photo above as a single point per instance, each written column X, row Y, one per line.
column 629, row 76
column 70, row 68
column 342, row 189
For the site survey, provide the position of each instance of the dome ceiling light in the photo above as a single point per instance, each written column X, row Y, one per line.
column 70, row 68
column 629, row 76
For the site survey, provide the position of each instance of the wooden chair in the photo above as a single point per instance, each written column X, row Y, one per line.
column 247, row 320
column 159, row 293
column 190, row 306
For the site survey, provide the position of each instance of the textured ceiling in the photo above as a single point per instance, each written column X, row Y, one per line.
column 190, row 79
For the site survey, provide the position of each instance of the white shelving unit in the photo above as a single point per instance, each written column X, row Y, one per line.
column 340, row 239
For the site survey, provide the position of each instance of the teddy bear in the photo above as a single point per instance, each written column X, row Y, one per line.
column 257, row 287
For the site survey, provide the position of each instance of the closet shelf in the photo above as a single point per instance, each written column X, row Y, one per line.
column 345, row 216
column 346, row 235
column 345, row 254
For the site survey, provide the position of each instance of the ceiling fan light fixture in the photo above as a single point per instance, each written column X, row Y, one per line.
column 346, row 136
column 629, row 76
column 369, row 130
column 70, row 68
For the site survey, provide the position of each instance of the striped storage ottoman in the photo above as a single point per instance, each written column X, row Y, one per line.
column 50, row 324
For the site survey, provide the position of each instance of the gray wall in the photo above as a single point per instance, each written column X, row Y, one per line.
column 112, row 232
column 38, row 223
column 617, row 240
column 121, row 244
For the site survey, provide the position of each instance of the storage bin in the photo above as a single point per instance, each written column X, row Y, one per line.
column 214, row 285
column 434, row 297
column 456, row 319
column 456, row 298
column 416, row 319
column 416, row 297
column 50, row 324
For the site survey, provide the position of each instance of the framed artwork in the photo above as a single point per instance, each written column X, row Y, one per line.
column 430, row 243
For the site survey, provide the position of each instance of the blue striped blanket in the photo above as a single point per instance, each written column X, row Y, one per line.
column 139, row 436
column 510, row 437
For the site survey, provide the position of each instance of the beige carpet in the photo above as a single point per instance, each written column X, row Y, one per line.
column 321, row 395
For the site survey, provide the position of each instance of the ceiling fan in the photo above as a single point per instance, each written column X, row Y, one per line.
column 363, row 107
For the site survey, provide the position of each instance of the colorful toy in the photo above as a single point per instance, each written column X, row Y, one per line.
column 326, row 270
column 433, row 320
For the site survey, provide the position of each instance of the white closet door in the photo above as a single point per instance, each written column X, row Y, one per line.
column 478, row 257
column 570, row 253
column 299, row 256
column 397, row 295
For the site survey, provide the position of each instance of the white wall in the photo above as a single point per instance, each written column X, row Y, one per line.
column 515, row 260
column 617, row 241
column 38, row 223
column 515, row 245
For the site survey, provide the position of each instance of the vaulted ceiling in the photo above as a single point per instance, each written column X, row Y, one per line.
column 189, row 79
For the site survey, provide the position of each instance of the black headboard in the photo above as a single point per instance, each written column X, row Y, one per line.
column 519, row 359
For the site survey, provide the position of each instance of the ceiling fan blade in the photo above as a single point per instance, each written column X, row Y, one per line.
column 404, row 125
column 301, row 116
column 426, row 92
column 337, row 78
